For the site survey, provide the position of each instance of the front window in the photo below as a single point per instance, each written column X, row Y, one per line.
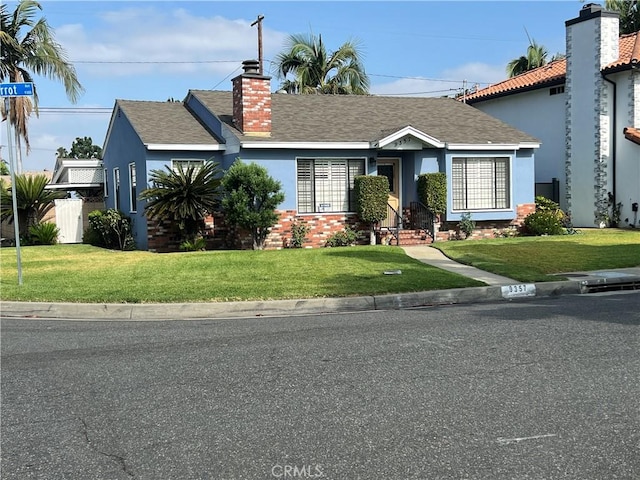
column 132, row 183
column 480, row 183
column 326, row 185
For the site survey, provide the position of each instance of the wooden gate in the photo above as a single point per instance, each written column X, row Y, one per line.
column 69, row 220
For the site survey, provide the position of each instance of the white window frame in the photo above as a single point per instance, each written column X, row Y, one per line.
column 116, row 188
column 106, row 183
column 335, row 177
column 481, row 183
column 133, row 183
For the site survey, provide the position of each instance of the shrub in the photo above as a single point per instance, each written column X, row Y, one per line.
column 543, row 222
column 548, row 219
column 45, row 233
column 111, row 229
column 342, row 239
column 250, row 198
column 196, row 245
column 299, row 232
column 466, row 224
column 508, row 232
column 432, row 191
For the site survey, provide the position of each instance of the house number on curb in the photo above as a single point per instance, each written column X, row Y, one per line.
column 519, row 290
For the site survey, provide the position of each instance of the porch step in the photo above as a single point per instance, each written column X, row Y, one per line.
column 409, row 237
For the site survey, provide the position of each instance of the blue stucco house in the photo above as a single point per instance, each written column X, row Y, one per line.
column 315, row 145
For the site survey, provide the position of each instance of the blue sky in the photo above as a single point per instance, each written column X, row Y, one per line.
column 153, row 50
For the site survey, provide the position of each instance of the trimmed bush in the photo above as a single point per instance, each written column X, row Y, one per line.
column 432, row 191
column 372, row 195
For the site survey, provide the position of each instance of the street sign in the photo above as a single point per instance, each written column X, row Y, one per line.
column 16, row 89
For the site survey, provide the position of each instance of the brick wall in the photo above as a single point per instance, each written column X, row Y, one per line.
column 449, row 231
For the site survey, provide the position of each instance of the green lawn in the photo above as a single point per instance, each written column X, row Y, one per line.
column 81, row 273
column 532, row 259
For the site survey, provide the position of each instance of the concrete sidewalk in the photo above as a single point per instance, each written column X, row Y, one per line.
column 498, row 289
column 434, row 257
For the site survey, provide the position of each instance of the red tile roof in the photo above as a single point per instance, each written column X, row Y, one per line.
column 629, row 51
column 632, row 134
column 555, row 72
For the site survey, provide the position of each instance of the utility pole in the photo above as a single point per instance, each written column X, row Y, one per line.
column 259, row 23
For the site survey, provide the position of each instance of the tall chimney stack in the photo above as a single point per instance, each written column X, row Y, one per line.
column 252, row 100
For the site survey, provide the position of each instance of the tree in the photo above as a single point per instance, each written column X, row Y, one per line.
column 250, row 197
column 536, row 57
column 372, row 195
column 183, row 197
column 33, row 201
column 28, row 49
column 4, row 168
column 81, row 148
column 317, row 71
column 629, row 11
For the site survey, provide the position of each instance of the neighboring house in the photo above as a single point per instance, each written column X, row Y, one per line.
column 84, row 177
column 71, row 215
column 315, row 145
column 585, row 109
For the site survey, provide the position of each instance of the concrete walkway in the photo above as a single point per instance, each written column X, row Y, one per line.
column 433, row 256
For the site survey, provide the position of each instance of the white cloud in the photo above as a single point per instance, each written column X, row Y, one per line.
column 148, row 35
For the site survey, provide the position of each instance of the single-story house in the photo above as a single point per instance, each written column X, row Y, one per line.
column 315, row 145
column 585, row 109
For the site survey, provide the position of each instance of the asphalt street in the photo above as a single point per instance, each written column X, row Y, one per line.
column 539, row 388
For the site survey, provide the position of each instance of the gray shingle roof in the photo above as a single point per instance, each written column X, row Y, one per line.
column 325, row 118
column 364, row 118
column 166, row 123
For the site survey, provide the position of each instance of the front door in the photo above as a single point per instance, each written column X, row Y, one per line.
column 390, row 168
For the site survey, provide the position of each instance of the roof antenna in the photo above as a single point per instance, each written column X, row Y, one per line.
column 259, row 23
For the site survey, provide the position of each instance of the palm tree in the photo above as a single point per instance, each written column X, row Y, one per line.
column 183, row 197
column 29, row 48
column 317, row 71
column 629, row 11
column 33, row 201
column 536, row 57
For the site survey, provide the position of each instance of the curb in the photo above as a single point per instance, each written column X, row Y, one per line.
column 225, row 310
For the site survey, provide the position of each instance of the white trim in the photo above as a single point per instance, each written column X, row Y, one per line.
column 409, row 130
column 491, row 146
column 184, row 146
column 63, row 164
column 116, row 188
column 71, row 186
column 309, row 145
column 132, row 201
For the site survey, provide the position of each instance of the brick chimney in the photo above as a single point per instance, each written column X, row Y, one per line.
column 252, row 101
